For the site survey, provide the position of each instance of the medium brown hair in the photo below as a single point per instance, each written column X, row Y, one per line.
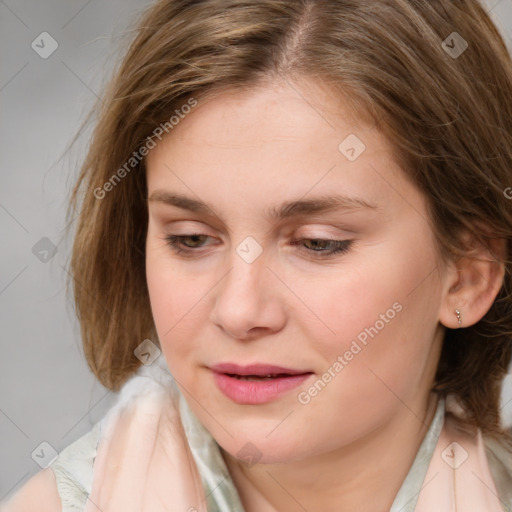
column 448, row 118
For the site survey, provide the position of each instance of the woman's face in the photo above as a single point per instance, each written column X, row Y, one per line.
column 259, row 289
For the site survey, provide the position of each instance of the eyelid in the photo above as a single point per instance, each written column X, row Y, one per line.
column 285, row 227
column 323, row 233
column 294, row 233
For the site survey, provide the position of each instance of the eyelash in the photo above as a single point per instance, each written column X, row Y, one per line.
column 339, row 246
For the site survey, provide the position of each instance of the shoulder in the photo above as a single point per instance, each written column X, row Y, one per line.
column 39, row 494
column 65, row 484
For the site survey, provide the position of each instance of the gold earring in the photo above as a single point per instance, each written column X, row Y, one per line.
column 457, row 312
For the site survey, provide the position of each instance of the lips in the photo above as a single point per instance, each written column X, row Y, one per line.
column 256, row 370
column 256, row 383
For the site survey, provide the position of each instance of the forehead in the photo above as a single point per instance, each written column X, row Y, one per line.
column 277, row 140
column 272, row 112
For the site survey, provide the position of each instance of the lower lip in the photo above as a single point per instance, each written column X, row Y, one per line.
column 251, row 392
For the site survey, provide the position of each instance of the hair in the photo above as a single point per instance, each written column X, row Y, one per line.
column 448, row 119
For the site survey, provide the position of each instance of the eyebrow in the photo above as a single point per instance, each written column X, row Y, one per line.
column 301, row 207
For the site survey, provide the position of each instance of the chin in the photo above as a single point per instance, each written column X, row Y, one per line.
column 258, row 449
column 257, row 453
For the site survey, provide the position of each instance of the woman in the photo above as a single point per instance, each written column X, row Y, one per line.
column 303, row 205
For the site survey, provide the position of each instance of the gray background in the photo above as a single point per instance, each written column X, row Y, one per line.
column 47, row 392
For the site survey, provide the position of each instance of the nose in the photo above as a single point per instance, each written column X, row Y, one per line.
column 248, row 301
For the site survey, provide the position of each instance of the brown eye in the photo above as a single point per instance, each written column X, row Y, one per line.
column 323, row 247
column 186, row 243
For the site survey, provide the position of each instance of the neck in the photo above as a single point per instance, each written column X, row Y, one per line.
column 364, row 476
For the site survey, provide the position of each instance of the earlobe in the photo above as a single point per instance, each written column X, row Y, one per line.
column 473, row 283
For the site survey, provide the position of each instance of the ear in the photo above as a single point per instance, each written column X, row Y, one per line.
column 473, row 282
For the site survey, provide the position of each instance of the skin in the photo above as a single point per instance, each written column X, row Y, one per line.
column 39, row 493
column 242, row 153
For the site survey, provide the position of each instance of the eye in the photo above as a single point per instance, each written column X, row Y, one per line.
column 178, row 245
column 315, row 247
column 323, row 247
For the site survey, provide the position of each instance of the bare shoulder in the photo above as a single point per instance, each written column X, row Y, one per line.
column 38, row 494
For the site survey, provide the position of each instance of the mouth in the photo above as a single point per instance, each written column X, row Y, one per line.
column 258, row 377
column 256, row 371
column 256, row 383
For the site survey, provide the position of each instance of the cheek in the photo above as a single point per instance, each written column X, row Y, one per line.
column 176, row 303
column 380, row 318
column 349, row 303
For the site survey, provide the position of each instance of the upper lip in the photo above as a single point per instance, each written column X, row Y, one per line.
column 254, row 369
